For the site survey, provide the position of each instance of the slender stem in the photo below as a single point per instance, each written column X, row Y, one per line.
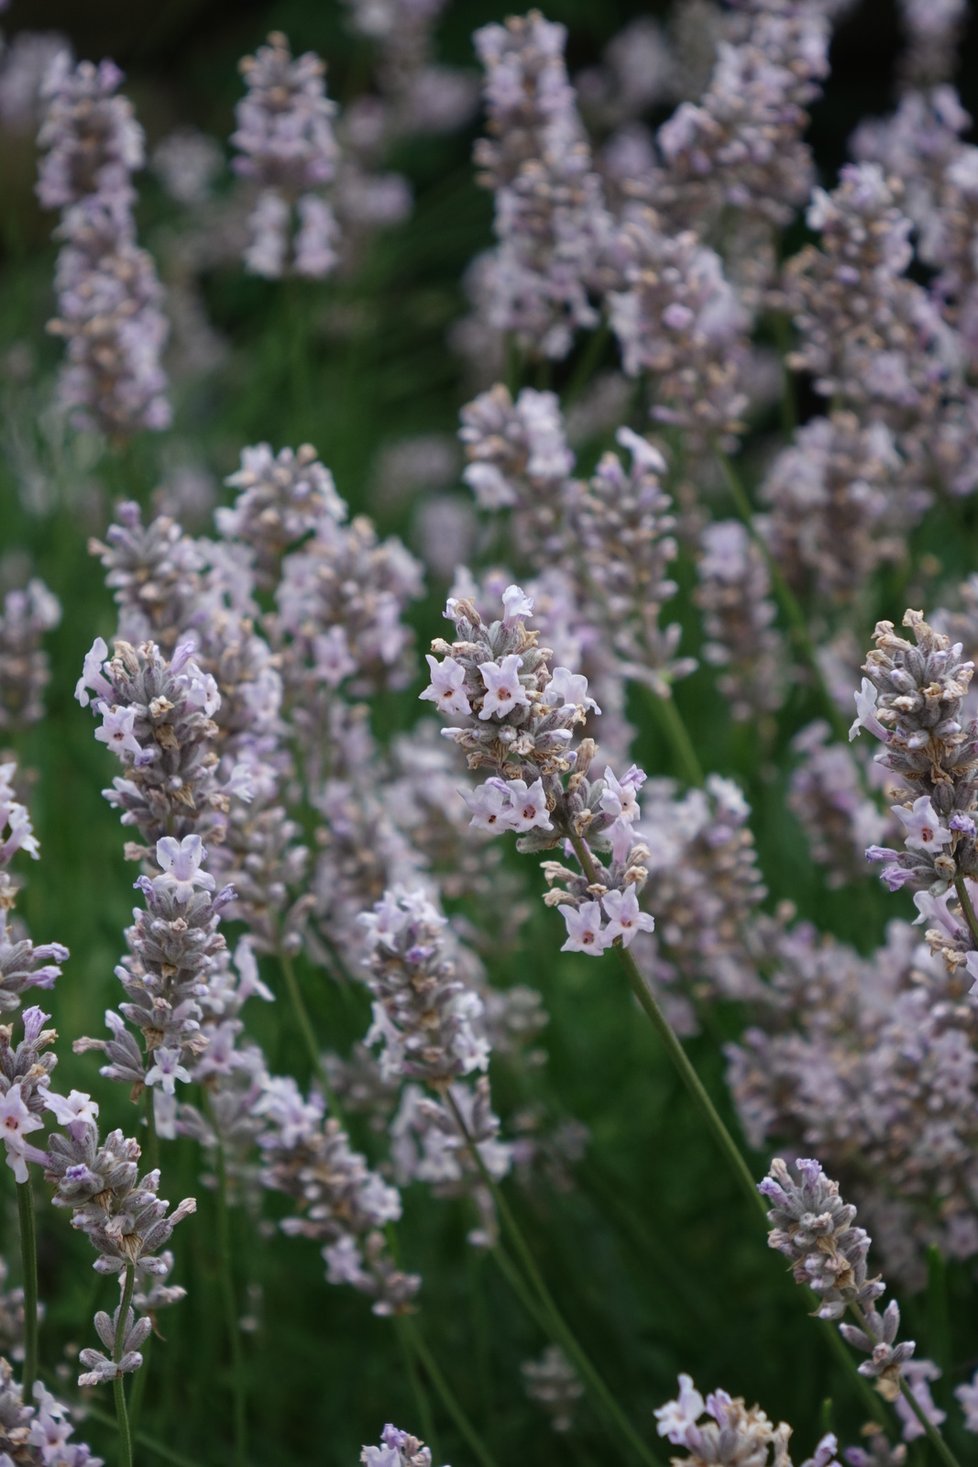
column 787, row 600
column 587, row 360
column 28, row 1253
column 933, row 1435
column 118, row 1382
column 677, row 734
column 157, row 1448
column 472, row 1437
column 239, row 1408
column 559, row 1327
column 961, row 887
column 714, row 1121
column 421, row 1402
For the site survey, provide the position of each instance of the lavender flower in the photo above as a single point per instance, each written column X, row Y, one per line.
column 678, row 320
column 92, row 141
column 281, row 499
column 624, row 529
column 520, row 725
column 912, row 701
column 551, row 220
column 342, row 1204
column 285, row 143
column 39, row 1433
column 734, row 594
column 732, row 1431
column 23, row 964
column 553, row 1384
column 25, row 616
column 123, row 1218
column 397, row 1449
column 813, row 1227
column 157, row 719
column 426, row 1019
column 173, row 944
column 109, row 298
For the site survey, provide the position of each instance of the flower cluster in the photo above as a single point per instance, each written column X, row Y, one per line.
column 553, row 1384
column 519, row 717
column 397, row 1449
column 551, row 221
column 285, row 143
column 912, row 701
column 678, row 319
column 22, row 963
column 281, row 498
column 813, row 1227
column 157, row 718
column 123, row 1218
column 731, row 1432
column 425, row 1017
column 342, row 1203
column 38, row 1434
column 25, row 616
column 624, row 527
column 173, row 944
column 109, row 298
column 734, row 595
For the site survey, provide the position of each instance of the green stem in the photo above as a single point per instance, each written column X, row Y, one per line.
column 473, row 1440
column 961, row 887
column 588, row 359
column 309, row 1035
column 670, row 720
column 421, row 1402
column 701, row 1099
column 118, row 1382
column 158, row 1449
column 787, row 600
column 239, row 1409
column 28, row 1253
column 559, row 1328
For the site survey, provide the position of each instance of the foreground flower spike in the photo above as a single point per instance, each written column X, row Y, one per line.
column 173, row 946
column 22, row 963
column 912, row 700
column 157, row 718
column 124, row 1220
column 813, row 1227
column 724, row 1429
column 551, row 221
column 285, row 143
column 397, row 1449
column 109, row 298
column 520, row 725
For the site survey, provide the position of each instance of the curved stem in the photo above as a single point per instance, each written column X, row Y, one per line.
column 704, row 1104
column 472, row 1437
column 118, row 1382
column 28, row 1253
column 421, row 1402
column 239, row 1409
column 677, row 734
column 561, row 1330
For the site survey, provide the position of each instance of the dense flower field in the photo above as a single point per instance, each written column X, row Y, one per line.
column 488, row 757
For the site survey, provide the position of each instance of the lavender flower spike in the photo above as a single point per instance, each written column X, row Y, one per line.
column 397, row 1449
column 725, row 1429
column 811, row 1225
